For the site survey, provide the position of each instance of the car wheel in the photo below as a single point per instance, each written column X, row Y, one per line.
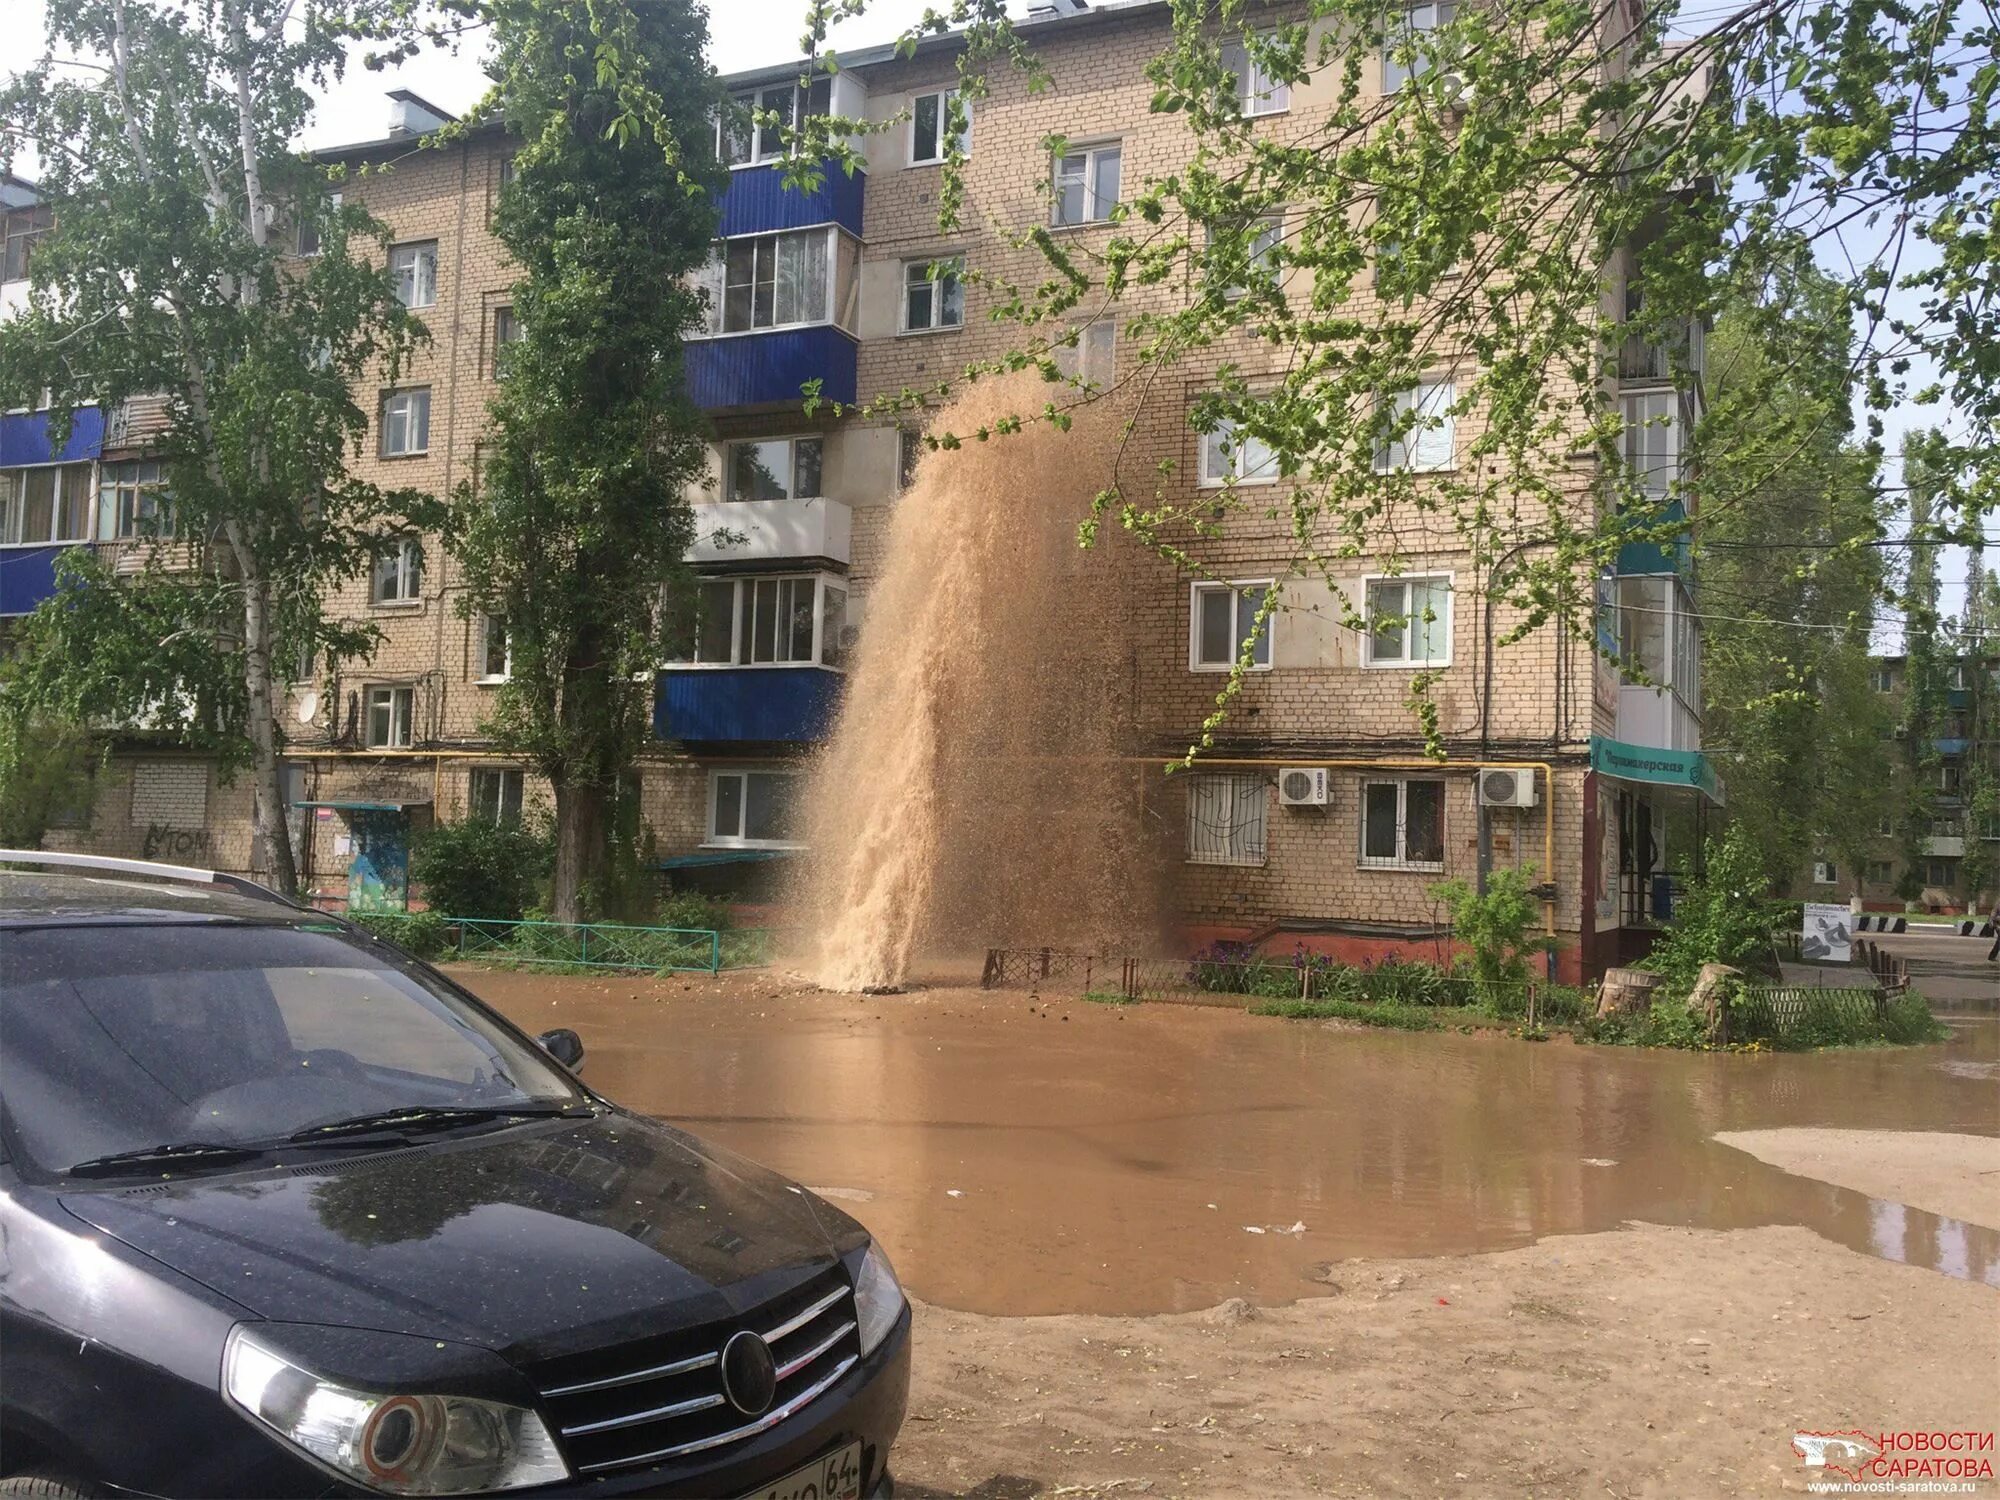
column 49, row 1486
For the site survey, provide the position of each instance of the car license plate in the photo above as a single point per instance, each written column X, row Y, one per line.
column 834, row 1477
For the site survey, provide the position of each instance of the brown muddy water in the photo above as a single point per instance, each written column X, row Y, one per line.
column 1019, row 1157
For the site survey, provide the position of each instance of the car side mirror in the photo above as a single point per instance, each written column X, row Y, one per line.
column 564, row 1045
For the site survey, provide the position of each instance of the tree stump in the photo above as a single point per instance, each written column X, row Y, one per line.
column 1626, row 992
column 1710, row 999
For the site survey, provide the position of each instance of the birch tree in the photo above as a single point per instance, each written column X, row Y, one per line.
column 163, row 135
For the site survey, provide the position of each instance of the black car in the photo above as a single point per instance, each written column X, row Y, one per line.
column 285, row 1212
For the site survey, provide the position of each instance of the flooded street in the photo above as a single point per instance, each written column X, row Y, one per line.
column 1022, row 1158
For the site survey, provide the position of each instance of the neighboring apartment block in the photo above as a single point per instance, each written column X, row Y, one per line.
column 1574, row 770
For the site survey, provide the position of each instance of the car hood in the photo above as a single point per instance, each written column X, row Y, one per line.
column 533, row 1241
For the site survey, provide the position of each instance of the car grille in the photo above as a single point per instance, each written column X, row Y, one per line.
column 661, row 1398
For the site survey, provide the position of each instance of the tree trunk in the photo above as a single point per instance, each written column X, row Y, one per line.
column 271, row 844
column 580, row 810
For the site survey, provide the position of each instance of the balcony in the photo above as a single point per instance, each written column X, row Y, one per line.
column 736, row 533
column 1656, row 718
column 746, row 705
column 1944, row 847
column 757, row 202
column 28, row 576
column 24, row 438
column 745, row 371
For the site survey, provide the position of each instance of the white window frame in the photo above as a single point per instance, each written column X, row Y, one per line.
column 791, row 441
column 1428, row 406
column 1447, row 623
column 826, row 651
column 1245, row 794
column 762, row 152
column 1414, row 19
column 943, row 143
column 1401, row 859
column 1243, row 469
column 742, row 774
column 1094, row 342
column 842, row 297
column 1825, row 872
column 67, row 478
column 1268, row 232
column 503, row 778
column 1239, row 589
column 407, row 262
column 916, row 276
column 400, row 699
column 396, row 581
column 1651, row 442
column 1095, row 210
column 399, row 413
column 1257, row 95
column 482, row 645
column 125, row 491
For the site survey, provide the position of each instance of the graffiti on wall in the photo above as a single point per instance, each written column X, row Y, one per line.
column 164, row 841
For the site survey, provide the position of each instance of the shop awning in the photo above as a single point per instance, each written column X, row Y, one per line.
column 370, row 806
column 702, row 858
column 1689, row 769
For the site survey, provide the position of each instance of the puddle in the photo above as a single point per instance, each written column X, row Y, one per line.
column 1112, row 1164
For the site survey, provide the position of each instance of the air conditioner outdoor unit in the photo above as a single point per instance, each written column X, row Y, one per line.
column 1456, row 90
column 1507, row 789
column 1302, row 786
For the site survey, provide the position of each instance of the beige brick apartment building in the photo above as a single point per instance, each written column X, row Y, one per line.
column 1578, row 770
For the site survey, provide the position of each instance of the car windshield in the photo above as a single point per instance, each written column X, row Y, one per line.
column 128, row 1038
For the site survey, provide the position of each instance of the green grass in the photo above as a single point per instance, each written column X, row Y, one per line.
column 1107, row 997
column 1382, row 1013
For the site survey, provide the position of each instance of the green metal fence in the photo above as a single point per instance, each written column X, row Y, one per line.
column 590, row 945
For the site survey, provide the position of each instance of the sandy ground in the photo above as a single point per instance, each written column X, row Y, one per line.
column 1954, row 1175
column 1646, row 1361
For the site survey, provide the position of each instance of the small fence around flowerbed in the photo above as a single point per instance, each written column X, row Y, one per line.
column 1804, row 1015
column 575, row 945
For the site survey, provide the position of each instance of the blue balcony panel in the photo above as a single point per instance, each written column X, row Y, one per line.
column 757, row 202
column 741, row 705
column 1666, row 555
column 28, row 576
column 744, row 370
column 24, row 438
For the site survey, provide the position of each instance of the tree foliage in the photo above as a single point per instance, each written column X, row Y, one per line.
column 164, row 133
column 578, row 524
column 48, row 775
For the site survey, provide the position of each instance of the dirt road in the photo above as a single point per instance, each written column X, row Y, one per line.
column 1172, row 1251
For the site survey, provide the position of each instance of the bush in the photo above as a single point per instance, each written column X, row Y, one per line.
column 693, row 910
column 480, row 869
column 1908, row 1020
column 1497, row 926
column 1722, row 916
column 1402, row 981
column 421, row 934
column 1394, row 1017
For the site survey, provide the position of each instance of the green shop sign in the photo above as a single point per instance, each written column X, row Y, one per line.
column 1689, row 768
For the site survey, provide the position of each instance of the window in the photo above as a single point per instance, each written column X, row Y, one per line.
column 132, row 501
column 309, row 226
column 406, row 423
column 1257, row 92
column 1653, row 442
column 1415, row 26
column 740, row 141
column 1402, row 825
column 751, row 808
column 762, row 622
column 414, row 268
column 1263, row 235
column 1424, row 435
column 1409, row 621
column 399, row 573
column 772, row 469
column 1824, row 872
column 48, row 503
column 1086, row 184
column 780, row 280
column 496, row 794
column 932, row 295
column 1880, row 872
column 1949, row 776
column 19, row 230
column 1941, row 872
column 387, row 724
column 506, row 331
column 909, row 448
column 1885, row 679
column 930, row 125
column 1089, row 354
column 1226, row 820
column 1231, row 457
column 493, row 651
column 1224, row 616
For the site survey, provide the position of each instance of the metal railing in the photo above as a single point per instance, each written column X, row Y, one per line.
column 582, row 945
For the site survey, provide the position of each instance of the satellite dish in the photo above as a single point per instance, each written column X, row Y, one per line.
column 308, row 708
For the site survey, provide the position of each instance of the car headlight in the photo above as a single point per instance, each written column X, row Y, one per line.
column 878, row 1300
column 401, row 1444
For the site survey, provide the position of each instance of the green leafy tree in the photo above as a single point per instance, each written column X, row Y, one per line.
column 1978, row 639
column 1498, row 925
column 48, row 774
column 1926, row 463
column 578, row 523
column 476, row 868
column 1723, row 915
column 167, row 159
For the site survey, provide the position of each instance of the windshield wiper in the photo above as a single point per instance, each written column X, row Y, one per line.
column 436, row 1117
column 204, row 1153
